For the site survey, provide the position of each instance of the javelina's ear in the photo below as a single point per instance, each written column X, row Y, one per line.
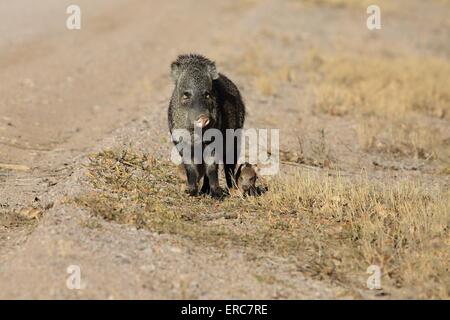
column 175, row 71
column 213, row 71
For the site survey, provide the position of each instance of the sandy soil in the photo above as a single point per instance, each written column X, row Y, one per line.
column 65, row 93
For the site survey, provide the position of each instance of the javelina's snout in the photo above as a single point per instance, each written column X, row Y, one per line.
column 202, row 121
column 199, row 117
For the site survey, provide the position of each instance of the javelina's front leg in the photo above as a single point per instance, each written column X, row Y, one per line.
column 192, row 176
column 213, row 177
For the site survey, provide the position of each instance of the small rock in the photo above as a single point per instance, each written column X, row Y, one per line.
column 147, row 268
column 174, row 249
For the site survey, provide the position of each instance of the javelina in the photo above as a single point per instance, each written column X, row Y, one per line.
column 246, row 179
column 205, row 99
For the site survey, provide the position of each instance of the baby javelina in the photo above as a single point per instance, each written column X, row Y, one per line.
column 246, row 177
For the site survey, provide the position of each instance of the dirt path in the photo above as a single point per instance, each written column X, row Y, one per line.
column 65, row 93
column 62, row 91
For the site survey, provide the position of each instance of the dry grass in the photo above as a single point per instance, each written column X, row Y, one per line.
column 381, row 86
column 265, row 85
column 392, row 98
column 401, row 227
column 11, row 220
column 13, row 225
column 401, row 138
column 267, row 76
column 332, row 227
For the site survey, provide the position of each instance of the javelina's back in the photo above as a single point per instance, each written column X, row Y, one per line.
column 233, row 108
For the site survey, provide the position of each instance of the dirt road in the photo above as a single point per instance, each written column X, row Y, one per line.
column 65, row 93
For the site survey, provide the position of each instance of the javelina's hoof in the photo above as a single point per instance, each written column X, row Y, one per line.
column 217, row 193
column 205, row 190
column 192, row 191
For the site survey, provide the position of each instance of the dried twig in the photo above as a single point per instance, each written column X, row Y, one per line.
column 15, row 167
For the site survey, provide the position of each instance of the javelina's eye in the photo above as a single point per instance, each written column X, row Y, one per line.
column 207, row 95
column 186, row 95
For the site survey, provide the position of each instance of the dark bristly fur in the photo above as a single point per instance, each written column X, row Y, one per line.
column 196, row 75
